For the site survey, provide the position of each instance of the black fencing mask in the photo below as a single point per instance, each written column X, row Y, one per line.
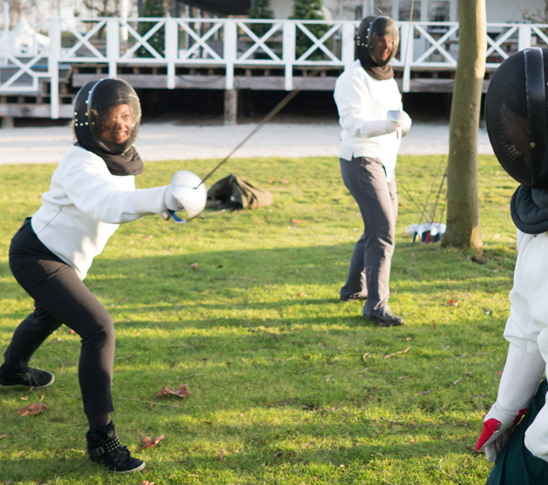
column 516, row 116
column 107, row 115
column 371, row 32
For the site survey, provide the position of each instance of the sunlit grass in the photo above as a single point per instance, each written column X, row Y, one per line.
column 289, row 385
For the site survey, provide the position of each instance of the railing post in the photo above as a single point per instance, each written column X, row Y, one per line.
column 171, row 50
column 230, row 51
column 348, row 45
column 407, row 55
column 524, row 37
column 288, row 52
column 113, row 46
column 53, row 65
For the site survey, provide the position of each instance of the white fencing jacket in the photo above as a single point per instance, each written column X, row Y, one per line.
column 361, row 99
column 85, row 205
column 527, row 328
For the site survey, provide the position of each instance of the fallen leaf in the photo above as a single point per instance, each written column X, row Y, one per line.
column 146, row 482
column 2, row 436
column 221, row 454
column 396, row 353
column 296, row 221
column 32, row 409
column 147, row 442
column 181, row 392
column 452, row 302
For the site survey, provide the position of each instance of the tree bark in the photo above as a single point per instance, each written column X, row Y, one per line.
column 463, row 221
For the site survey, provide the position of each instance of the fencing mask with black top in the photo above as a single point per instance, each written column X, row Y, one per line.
column 516, row 117
column 107, row 115
column 377, row 43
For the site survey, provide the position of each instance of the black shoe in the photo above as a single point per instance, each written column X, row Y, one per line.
column 105, row 448
column 354, row 297
column 385, row 319
column 28, row 378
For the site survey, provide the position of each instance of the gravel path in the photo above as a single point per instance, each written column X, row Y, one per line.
column 166, row 141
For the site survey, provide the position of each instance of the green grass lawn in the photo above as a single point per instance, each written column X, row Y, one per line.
column 289, row 385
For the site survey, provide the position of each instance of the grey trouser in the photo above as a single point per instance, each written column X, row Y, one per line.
column 371, row 260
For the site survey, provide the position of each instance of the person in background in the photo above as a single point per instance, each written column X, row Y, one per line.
column 92, row 191
column 372, row 121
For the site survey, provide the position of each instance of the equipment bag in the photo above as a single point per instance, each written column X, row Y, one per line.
column 235, row 193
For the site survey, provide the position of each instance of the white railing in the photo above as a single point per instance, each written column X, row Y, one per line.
column 229, row 44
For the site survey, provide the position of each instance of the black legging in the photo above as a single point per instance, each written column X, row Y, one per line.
column 61, row 298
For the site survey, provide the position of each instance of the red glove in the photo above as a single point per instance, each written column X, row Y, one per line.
column 498, row 426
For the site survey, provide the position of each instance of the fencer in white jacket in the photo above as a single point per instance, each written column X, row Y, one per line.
column 92, row 192
column 516, row 119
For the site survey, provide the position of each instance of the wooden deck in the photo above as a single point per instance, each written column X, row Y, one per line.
column 229, row 55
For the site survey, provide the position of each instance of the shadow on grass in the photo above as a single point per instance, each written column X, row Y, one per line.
column 282, row 373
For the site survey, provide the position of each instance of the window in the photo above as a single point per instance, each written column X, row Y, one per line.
column 405, row 10
column 439, row 11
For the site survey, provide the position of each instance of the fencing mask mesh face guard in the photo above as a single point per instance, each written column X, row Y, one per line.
column 516, row 116
column 378, row 39
column 107, row 115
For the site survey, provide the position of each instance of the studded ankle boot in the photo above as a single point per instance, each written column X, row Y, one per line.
column 105, row 448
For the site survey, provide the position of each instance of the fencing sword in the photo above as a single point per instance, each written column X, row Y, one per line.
column 284, row 102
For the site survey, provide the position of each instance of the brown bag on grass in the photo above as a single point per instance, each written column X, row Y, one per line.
column 235, row 193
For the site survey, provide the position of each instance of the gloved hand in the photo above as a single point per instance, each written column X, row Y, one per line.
column 498, row 425
column 401, row 119
column 186, row 192
column 170, row 201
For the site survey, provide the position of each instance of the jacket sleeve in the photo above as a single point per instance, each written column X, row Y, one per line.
column 353, row 100
column 95, row 191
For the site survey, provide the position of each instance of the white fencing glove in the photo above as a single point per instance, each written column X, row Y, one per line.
column 402, row 119
column 371, row 129
column 186, row 192
column 520, row 380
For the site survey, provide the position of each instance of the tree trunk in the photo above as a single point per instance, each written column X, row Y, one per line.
column 463, row 222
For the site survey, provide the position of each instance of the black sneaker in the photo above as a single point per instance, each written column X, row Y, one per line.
column 385, row 319
column 28, row 378
column 105, row 448
column 354, row 297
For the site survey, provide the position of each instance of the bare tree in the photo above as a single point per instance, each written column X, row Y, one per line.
column 463, row 222
column 538, row 17
column 103, row 8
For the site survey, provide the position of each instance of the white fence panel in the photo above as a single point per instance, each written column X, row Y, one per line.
column 227, row 44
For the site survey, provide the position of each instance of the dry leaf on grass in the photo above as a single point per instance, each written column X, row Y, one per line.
column 181, row 392
column 221, row 454
column 452, row 302
column 146, row 482
column 147, row 442
column 397, row 353
column 32, row 409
